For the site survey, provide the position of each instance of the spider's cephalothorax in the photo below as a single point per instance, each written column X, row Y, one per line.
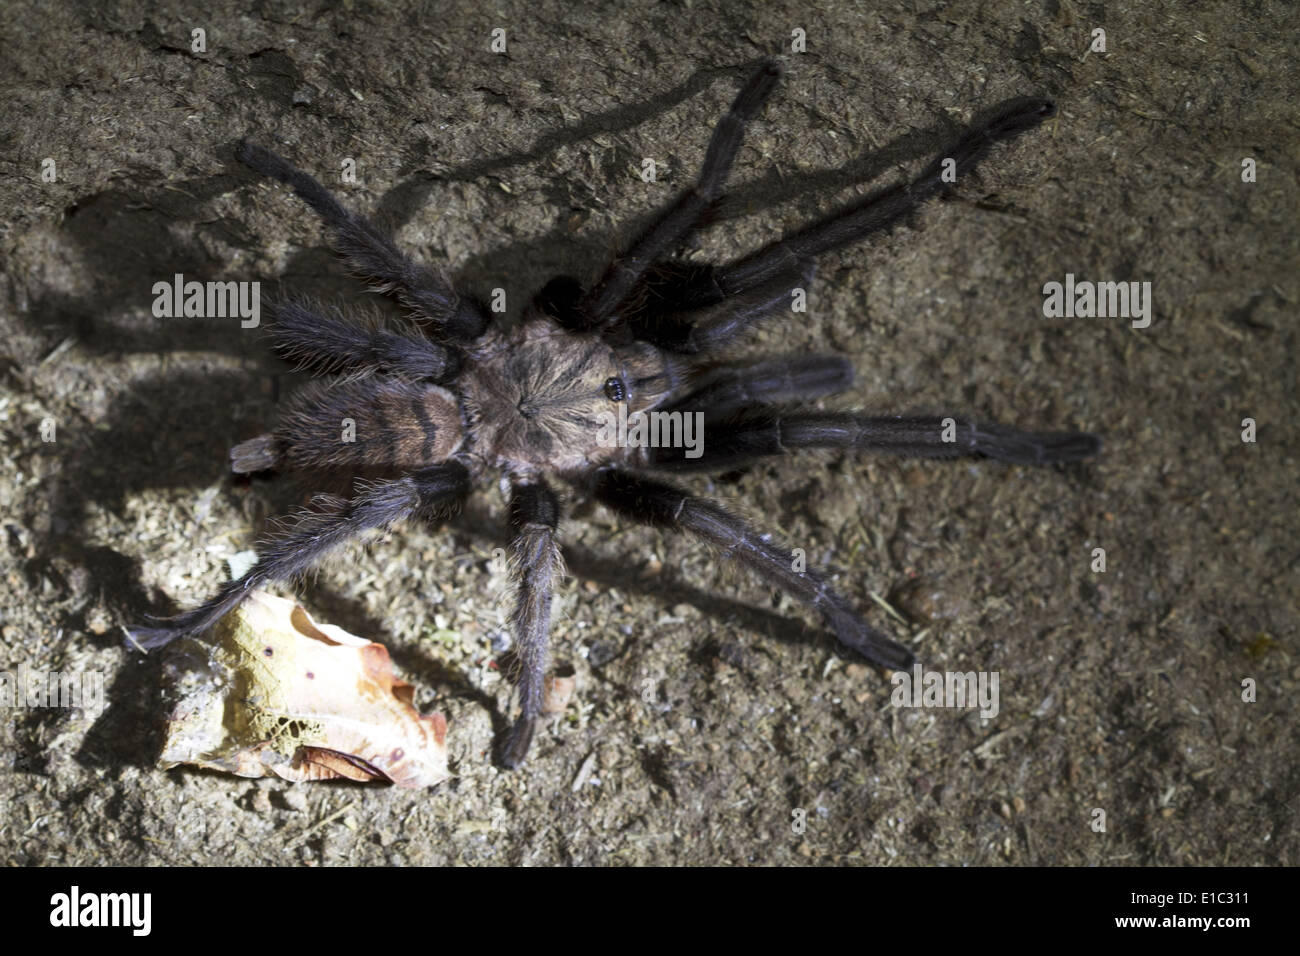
column 437, row 409
column 534, row 396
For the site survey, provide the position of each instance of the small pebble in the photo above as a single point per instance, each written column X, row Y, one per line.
column 601, row 653
column 98, row 620
column 558, row 694
column 919, row 600
column 241, row 563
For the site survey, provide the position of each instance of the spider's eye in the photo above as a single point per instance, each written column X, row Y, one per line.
column 616, row 390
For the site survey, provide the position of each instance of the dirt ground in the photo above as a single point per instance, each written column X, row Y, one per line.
column 712, row 716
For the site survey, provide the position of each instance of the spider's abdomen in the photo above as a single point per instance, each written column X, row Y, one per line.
column 370, row 424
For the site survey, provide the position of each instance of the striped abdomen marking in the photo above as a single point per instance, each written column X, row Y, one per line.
column 370, row 423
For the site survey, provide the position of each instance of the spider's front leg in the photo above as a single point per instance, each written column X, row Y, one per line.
column 793, row 378
column 601, row 306
column 315, row 534
column 537, row 566
column 685, row 312
column 883, row 210
column 656, row 503
column 704, row 321
column 761, row 432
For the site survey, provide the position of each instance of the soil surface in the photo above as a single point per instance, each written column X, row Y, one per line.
column 713, row 720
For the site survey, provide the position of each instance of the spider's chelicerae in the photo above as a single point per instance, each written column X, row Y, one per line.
column 447, row 406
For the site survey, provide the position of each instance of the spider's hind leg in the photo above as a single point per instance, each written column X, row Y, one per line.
column 330, row 341
column 537, row 566
column 314, row 535
column 373, row 253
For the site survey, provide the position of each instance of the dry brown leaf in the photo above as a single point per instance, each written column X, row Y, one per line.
column 270, row 691
column 557, row 693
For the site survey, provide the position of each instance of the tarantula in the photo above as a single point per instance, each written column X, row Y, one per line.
column 440, row 413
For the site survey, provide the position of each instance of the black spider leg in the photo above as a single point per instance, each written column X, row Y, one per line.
column 656, row 503
column 600, row 306
column 314, row 534
column 792, row 378
column 690, row 317
column 773, row 266
column 329, row 342
column 537, row 566
column 372, row 253
column 761, row 432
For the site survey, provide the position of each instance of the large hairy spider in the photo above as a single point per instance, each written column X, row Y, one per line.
column 439, row 414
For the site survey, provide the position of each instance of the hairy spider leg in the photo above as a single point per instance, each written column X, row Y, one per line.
column 656, row 503
column 686, row 316
column 772, row 267
column 600, row 306
column 372, row 253
column 759, row 432
column 537, row 566
column 314, row 535
column 790, row 378
column 323, row 339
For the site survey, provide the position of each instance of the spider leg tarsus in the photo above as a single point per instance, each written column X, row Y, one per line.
column 518, row 742
column 1003, row 443
column 857, row 635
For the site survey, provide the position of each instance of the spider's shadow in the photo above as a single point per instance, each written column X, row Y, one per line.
column 177, row 427
column 126, row 240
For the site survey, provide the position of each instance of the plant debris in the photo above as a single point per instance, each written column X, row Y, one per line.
column 273, row 692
